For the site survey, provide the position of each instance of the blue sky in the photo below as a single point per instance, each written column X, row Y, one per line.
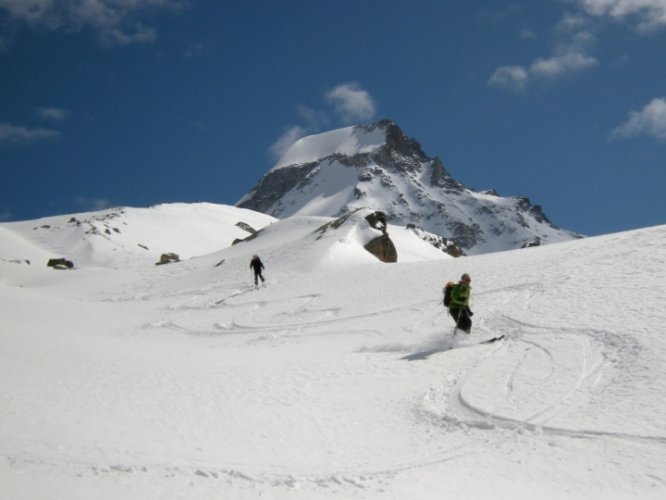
column 116, row 102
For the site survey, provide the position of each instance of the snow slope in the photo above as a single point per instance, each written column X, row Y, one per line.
column 338, row 379
column 346, row 141
column 127, row 236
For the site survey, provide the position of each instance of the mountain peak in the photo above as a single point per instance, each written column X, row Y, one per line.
column 379, row 167
column 348, row 141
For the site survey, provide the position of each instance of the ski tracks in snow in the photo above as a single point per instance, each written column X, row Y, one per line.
column 536, row 378
column 242, row 310
column 532, row 382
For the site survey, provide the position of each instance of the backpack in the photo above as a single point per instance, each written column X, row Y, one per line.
column 447, row 293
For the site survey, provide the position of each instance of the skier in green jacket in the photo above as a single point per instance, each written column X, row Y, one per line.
column 459, row 306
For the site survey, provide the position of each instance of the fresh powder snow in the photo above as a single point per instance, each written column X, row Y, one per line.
column 340, row 378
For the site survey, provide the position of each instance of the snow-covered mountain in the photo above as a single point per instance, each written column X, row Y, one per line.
column 379, row 167
column 129, row 237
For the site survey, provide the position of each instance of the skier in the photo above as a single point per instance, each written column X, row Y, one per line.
column 257, row 266
column 459, row 305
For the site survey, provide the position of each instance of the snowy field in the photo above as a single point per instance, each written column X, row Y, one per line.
column 338, row 379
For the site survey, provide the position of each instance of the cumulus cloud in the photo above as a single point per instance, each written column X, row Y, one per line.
column 113, row 21
column 351, row 102
column 552, row 68
column 571, row 23
column 645, row 15
column 510, row 77
column 570, row 55
column 650, row 122
column 561, row 65
column 16, row 135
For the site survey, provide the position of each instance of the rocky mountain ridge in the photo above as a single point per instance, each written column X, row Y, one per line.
column 378, row 166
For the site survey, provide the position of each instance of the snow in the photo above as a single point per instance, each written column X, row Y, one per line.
column 331, row 190
column 126, row 236
column 338, row 379
column 346, row 141
column 407, row 196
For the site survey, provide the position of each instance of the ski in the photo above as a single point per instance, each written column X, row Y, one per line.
column 494, row 339
column 422, row 355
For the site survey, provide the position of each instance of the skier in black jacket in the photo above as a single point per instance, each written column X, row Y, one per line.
column 257, row 266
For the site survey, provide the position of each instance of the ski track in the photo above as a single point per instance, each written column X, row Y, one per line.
column 540, row 385
column 523, row 340
column 298, row 311
column 603, row 355
column 601, row 350
column 187, row 312
column 234, row 475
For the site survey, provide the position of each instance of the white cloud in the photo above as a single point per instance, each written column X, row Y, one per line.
column 561, row 65
column 116, row 36
column 54, row 114
column 556, row 67
column 113, row 21
column 16, row 135
column 286, row 140
column 650, row 122
column 510, row 77
column 351, row 102
column 576, row 38
column 570, row 55
column 571, row 23
column 646, row 15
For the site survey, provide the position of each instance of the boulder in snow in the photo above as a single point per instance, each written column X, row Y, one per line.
column 60, row 263
column 383, row 248
column 168, row 258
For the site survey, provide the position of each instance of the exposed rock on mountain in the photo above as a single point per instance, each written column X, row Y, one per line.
column 445, row 245
column 379, row 167
column 372, row 232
